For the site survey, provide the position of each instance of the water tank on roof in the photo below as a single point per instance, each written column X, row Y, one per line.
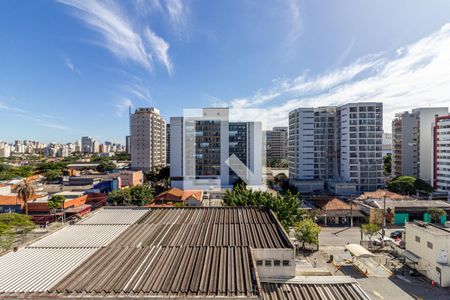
column 442, row 257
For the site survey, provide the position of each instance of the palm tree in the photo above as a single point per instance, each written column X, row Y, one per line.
column 24, row 192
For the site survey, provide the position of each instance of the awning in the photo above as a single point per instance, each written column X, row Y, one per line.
column 359, row 251
column 411, row 256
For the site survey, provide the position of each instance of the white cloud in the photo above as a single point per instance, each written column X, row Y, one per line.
column 119, row 34
column 123, row 106
column 160, row 48
column 417, row 75
column 69, row 64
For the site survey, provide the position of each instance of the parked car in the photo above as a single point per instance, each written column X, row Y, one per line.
column 398, row 234
column 387, row 241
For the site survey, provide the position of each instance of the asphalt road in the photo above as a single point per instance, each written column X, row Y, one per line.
column 340, row 236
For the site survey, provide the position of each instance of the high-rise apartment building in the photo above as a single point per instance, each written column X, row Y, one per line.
column 337, row 144
column 442, row 154
column 387, row 143
column 86, row 144
column 412, row 140
column 148, row 139
column 168, row 143
column 405, row 145
column 276, row 143
column 201, row 145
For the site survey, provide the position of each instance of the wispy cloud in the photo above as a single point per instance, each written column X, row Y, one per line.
column 4, row 106
column 122, row 106
column 119, row 34
column 160, row 48
column 417, row 75
column 138, row 90
column 69, row 64
column 42, row 122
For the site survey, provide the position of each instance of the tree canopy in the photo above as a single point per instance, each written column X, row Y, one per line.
column 307, row 232
column 9, row 172
column 370, row 229
column 436, row 213
column 408, row 185
column 387, row 165
column 11, row 225
column 159, row 179
column 286, row 208
column 137, row 195
column 56, row 201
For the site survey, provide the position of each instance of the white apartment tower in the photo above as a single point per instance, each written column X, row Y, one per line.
column 337, row 144
column 442, row 154
column 148, row 139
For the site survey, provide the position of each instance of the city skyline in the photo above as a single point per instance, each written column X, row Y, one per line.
column 105, row 56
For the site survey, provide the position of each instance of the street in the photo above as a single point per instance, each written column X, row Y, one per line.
column 398, row 286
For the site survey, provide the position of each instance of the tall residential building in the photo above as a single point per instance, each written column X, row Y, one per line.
column 5, row 150
column 168, row 143
column 276, row 143
column 405, row 144
column 337, row 144
column 148, row 139
column 128, row 144
column 86, row 144
column 387, row 143
column 412, row 139
column 442, row 154
column 201, row 145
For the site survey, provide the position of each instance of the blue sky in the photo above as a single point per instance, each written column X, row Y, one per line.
column 70, row 68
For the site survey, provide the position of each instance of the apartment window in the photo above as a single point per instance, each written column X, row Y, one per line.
column 268, row 263
column 430, row 245
column 276, row 263
column 259, row 262
column 285, row 263
column 418, row 239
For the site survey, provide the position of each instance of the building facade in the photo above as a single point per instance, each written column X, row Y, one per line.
column 337, row 144
column 148, row 139
column 429, row 246
column 405, row 145
column 277, row 143
column 167, row 143
column 201, row 146
column 442, row 154
column 412, row 136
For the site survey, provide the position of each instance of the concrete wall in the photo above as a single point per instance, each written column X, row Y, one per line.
column 428, row 264
column 273, row 255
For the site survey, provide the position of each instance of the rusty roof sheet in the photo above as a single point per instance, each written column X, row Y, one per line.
column 163, row 272
column 314, row 288
column 254, row 227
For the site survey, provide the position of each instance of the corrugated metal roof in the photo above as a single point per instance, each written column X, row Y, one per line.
column 34, row 270
column 111, row 216
column 255, row 227
column 81, row 236
column 314, row 288
column 164, row 272
column 254, row 235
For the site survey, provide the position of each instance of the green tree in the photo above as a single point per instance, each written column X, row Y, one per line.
column 408, row 185
column 307, row 232
column 56, row 201
column 24, row 192
column 137, row 195
column 387, row 164
column 106, row 166
column 159, row 179
column 286, row 208
column 53, row 174
column 12, row 225
column 436, row 213
column 370, row 229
